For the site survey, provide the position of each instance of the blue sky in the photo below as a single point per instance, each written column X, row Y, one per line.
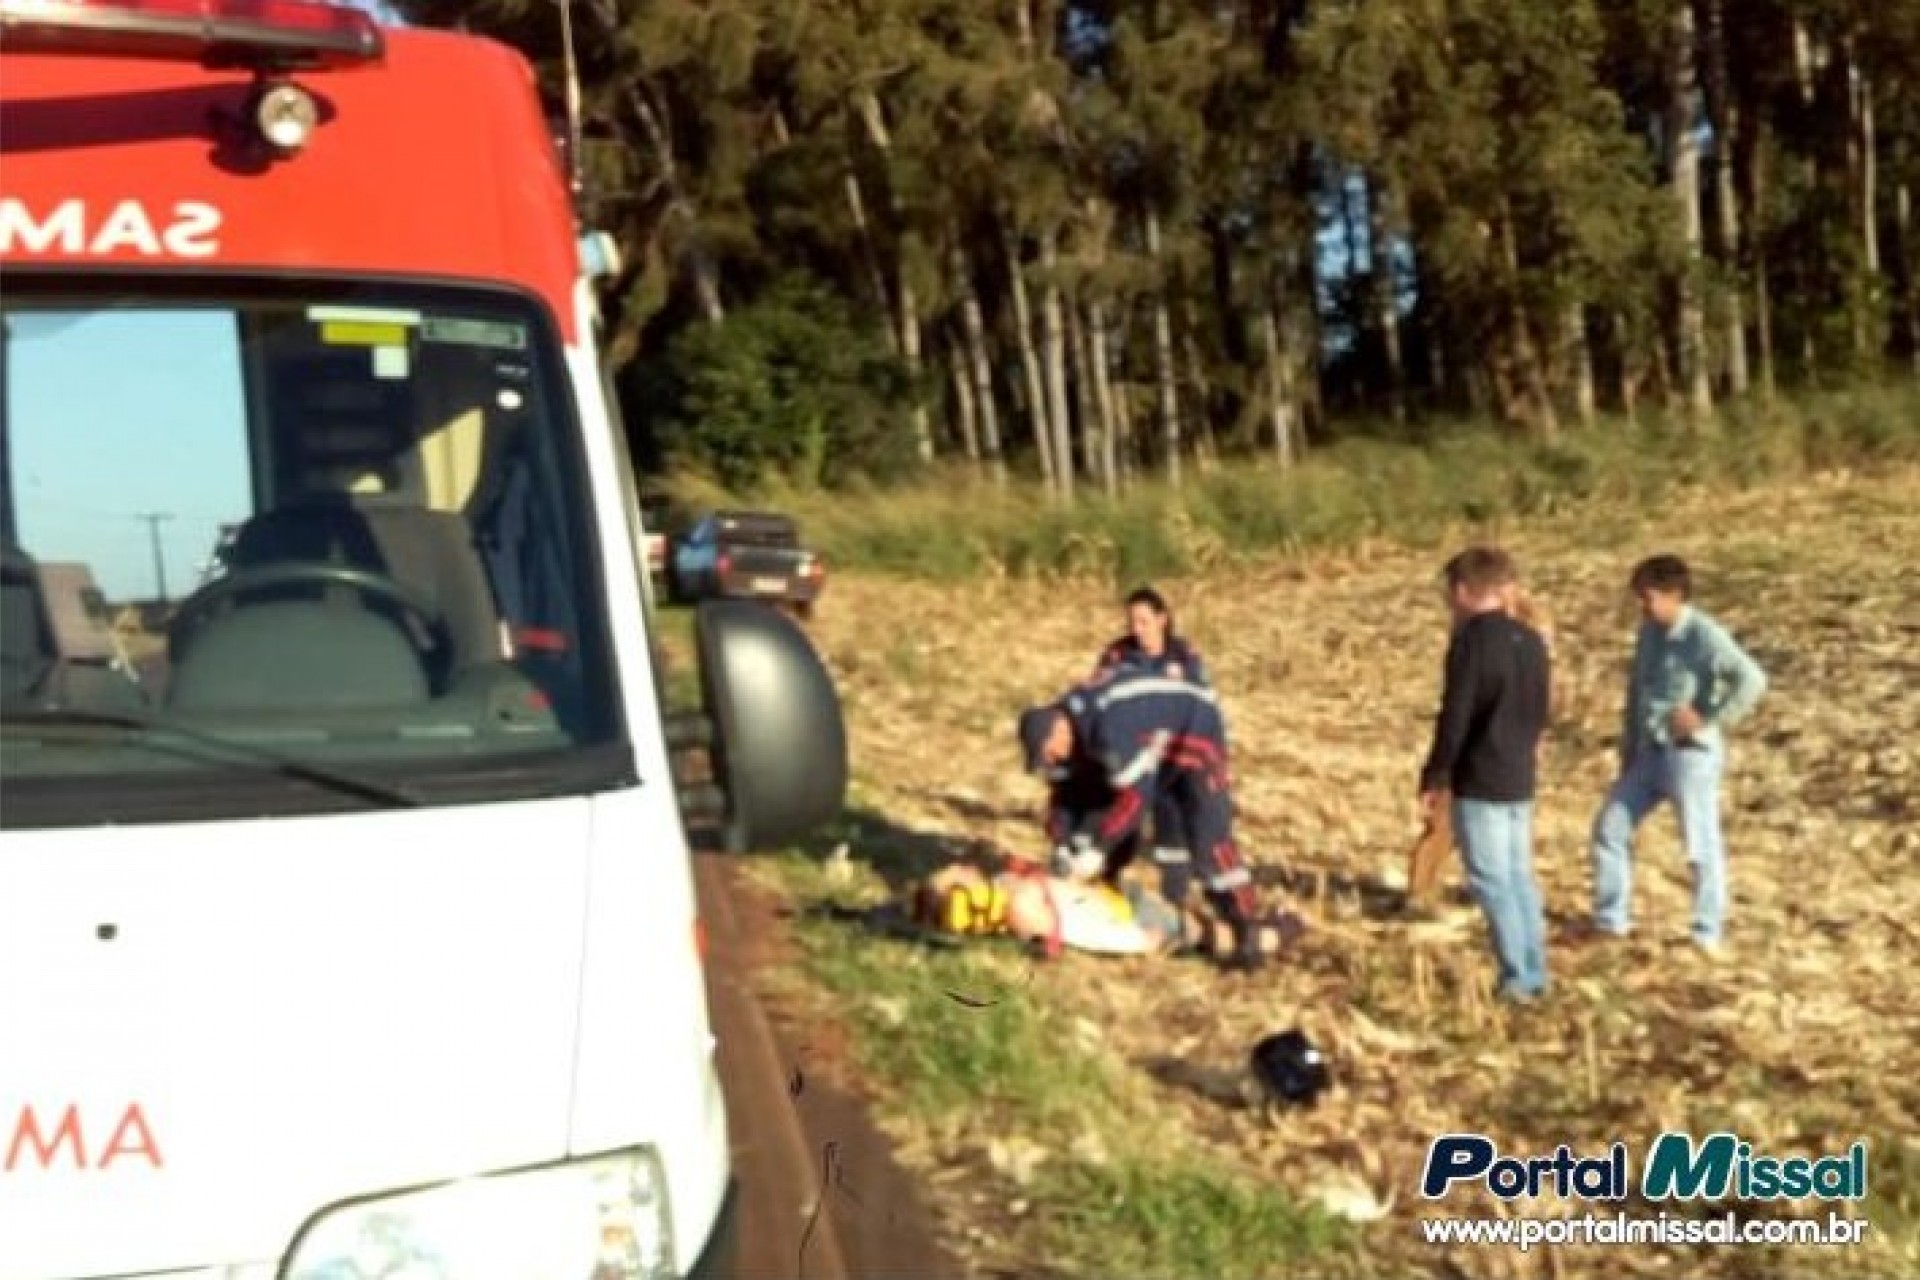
column 116, row 415
column 119, row 415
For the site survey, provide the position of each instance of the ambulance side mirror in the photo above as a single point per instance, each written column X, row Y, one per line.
column 776, row 742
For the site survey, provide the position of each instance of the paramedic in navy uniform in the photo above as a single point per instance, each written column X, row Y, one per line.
column 1153, row 740
column 1152, row 644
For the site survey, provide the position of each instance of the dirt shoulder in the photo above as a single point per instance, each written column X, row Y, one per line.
column 842, row 1207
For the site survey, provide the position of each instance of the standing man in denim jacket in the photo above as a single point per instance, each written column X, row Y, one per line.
column 1691, row 681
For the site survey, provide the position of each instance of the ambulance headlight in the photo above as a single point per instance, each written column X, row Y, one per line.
column 600, row 1219
column 285, row 114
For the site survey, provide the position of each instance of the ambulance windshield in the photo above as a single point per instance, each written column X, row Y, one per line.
column 344, row 529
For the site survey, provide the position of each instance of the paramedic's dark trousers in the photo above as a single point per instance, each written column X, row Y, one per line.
column 1170, row 853
column 1206, row 816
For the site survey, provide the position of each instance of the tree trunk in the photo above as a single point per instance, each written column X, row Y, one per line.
column 1665, row 384
column 705, row 275
column 870, row 257
column 907, row 305
column 1579, row 359
column 1205, row 448
column 1279, row 382
column 1757, row 145
column 1103, row 396
column 1631, row 371
column 1381, row 284
column 1036, row 389
column 1433, row 335
column 1684, row 147
column 1080, row 374
column 1309, row 393
column 910, row 356
column 1867, row 324
column 965, row 412
column 1125, row 446
column 1532, row 390
column 973, row 331
column 1123, row 427
column 1803, row 77
column 1910, row 268
column 1163, row 356
column 1477, row 389
column 1053, row 353
column 1226, row 312
column 1726, row 128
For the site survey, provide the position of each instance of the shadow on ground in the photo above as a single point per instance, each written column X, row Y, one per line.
column 899, row 853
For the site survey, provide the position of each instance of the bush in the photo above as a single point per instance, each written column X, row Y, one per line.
column 956, row 525
column 791, row 387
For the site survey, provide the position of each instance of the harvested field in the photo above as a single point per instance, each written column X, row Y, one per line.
column 1803, row 1038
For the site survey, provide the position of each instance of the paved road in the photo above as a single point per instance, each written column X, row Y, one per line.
column 794, row 1133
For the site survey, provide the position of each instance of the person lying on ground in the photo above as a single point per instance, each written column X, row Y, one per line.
column 1153, row 740
column 1055, row 914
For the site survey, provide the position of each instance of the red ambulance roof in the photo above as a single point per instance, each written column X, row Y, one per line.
column 435, row 163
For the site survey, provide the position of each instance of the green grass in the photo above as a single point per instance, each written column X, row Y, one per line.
column 946, row 1054
column 679, row 670
column 1411, row 489
column 1116, row 1193
column 1185, row 1220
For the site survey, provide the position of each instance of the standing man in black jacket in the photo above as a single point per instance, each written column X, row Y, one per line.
column 1485, row 753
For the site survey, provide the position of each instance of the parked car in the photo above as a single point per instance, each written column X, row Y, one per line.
column 746, row 554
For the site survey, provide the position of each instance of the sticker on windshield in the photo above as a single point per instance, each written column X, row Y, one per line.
column 365, row 315
column 390, row 363
column 363, row 333
column 497, row 334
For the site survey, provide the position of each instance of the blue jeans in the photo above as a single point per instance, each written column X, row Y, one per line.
column 1690, row 777
column 1496, row 844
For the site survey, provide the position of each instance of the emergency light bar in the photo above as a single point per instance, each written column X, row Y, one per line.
column 245, row 33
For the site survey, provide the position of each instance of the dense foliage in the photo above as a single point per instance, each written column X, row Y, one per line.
column 1092, row 237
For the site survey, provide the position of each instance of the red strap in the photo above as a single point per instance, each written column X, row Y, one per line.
column 1054, row 944
column 540, row 639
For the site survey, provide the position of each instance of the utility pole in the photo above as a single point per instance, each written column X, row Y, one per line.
column 153, row 520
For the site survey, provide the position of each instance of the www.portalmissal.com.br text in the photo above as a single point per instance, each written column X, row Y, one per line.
column 1726, row 1182
column 1666, row 1229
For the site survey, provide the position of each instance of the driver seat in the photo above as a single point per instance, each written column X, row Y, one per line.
column 432, row 553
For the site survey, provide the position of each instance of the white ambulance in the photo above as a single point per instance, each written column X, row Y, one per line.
column 347, row 927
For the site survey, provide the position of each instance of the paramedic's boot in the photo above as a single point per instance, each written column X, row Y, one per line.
column 1246, row 956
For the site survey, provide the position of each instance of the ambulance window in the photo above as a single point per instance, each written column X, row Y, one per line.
column 345, row 529
column 127, row 434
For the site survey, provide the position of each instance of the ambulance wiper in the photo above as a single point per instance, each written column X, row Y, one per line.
column 344, row 782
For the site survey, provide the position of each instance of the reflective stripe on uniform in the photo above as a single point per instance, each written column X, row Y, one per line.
column 1233, row 879
column 1146, row 685
column 1145, row 762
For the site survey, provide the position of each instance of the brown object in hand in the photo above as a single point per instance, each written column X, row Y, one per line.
column 1427, row 858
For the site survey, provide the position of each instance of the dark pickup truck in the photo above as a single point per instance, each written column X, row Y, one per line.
column 752, row 555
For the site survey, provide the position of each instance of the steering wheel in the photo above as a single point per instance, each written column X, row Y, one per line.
column 195, row 611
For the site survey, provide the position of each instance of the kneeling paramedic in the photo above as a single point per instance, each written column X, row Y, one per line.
column 1147, row 739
